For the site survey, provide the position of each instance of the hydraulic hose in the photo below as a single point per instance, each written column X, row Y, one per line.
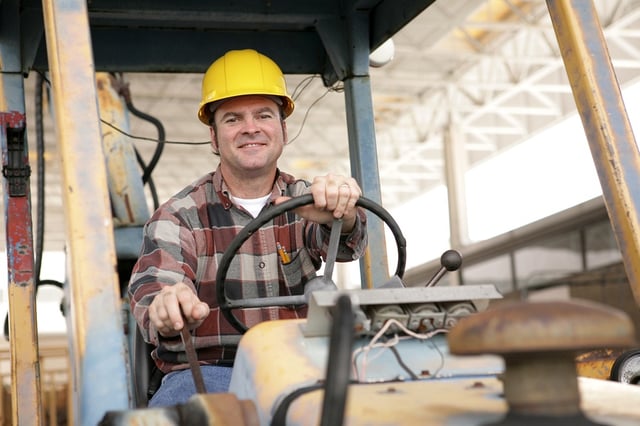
column 161, row 137
column 40, row 179
column 147, row 169
column 340, row 349
column 150, row 182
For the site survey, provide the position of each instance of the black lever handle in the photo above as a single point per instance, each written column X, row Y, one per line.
column 450, row 261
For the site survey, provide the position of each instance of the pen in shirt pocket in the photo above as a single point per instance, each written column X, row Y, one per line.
column 284, row 256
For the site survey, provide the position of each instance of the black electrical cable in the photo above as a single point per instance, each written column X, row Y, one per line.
column 60, row 285
column 437, row 349
column 402, row 364
column 144, row 138
column 40, row 179
column 280, row 415
column 150, row 183
column 126, row 94
column 147, row 169
column 161, row 138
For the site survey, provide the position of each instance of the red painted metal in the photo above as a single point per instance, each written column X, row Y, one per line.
column 12, row 119
column 18, row 216
column 25, row 368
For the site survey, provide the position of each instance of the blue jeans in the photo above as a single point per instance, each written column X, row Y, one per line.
column 177, row 387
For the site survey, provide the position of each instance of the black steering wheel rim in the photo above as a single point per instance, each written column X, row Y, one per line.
column 227, row 305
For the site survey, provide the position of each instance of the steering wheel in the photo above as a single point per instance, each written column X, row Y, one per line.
column 228, row 305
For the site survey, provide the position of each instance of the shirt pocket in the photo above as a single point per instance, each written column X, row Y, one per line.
column 292, row 274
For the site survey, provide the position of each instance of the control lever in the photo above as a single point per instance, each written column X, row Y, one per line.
column 192, row 357
column 450, row 261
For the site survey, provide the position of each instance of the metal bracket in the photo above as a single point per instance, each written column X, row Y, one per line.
column 17, row 170
column 364, row 300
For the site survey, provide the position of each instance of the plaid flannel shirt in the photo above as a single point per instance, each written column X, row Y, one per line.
column 184, row 241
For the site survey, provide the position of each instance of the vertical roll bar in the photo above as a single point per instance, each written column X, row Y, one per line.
column 606, row 124
column 94, row 321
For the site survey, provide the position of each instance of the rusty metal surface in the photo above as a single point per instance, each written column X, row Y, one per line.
column 539, row 342
column 95, row 326
column 466, row 393
column 521, row 327
column 219, row 409
column 541, row 384
column 226, row 409
column 458, row 402
column 126, row 190
column 605, row 121
column 467, row 401
column 597, row 363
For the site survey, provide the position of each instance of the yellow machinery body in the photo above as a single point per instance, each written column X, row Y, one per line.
column 275, row 359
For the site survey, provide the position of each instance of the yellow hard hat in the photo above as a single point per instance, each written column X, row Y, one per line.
column 242, row 72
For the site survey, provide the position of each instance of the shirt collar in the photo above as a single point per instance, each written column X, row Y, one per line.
column 221, row 188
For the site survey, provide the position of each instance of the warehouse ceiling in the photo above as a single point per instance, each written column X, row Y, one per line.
column 487, row 72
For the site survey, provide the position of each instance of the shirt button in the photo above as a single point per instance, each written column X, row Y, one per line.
column 261, row 265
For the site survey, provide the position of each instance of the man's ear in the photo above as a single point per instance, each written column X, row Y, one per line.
column 214, row 141
column 285, row 135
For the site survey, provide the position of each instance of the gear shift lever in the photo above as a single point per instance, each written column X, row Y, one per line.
column 450, row 261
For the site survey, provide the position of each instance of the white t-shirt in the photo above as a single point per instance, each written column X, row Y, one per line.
column 252, row 205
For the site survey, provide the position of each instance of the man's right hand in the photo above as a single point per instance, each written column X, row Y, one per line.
column 174, row 305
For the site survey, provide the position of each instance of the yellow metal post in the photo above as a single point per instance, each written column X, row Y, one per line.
column 23, row 330
column 599, row 101
column 95, row 325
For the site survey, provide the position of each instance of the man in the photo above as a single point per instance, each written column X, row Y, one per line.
column 245, row 103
